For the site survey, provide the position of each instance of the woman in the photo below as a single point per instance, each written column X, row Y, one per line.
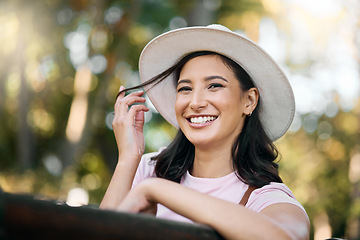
column 230, row 101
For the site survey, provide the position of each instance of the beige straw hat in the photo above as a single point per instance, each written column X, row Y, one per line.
column 277, row 98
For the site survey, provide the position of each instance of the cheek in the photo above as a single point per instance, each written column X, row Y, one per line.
column 231, row 105
column 222, row 102
column 179, row 106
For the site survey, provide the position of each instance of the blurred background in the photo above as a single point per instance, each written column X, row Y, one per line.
column 62, row 63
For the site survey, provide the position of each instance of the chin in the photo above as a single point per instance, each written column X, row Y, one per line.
column 202, row 141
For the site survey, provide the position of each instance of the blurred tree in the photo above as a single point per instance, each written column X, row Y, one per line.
column 318, row 168
column 56, row 55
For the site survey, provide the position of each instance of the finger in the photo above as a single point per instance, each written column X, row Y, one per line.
column 139, row 120
column 122, row 105
column 133, row 99
column 129, row 100
column 127, row 119
column 134, row 110
column 120, row 94
column 137, row 108
column 137, row 93
column 139, row 116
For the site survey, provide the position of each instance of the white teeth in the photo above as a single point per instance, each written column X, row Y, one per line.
column 202, row 119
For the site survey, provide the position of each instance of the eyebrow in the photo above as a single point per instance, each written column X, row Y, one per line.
column 215, row 77
column 206, row 79
column 183, row 81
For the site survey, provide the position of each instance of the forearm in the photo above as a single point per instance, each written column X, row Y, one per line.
column 232, row 221
column 128, row 130
column 119, row 185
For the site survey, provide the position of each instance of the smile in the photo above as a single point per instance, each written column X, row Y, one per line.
column 203, row 119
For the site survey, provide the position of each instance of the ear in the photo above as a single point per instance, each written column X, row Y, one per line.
column 251, row 100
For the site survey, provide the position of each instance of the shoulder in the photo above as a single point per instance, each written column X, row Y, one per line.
column 146, row 163
column 146, row 158
column 146, row 168
column 271, row 194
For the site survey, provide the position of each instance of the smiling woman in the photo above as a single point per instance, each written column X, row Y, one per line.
column 230, row 101
column 207, row 88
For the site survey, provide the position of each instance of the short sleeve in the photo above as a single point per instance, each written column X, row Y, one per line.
column 271, row 194
column 146, row 168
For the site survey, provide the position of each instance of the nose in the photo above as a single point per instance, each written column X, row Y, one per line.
column 198, row 100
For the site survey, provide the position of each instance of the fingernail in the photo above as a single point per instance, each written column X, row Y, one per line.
column 121, row 88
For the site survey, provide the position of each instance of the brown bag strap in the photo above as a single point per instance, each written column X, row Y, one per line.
column 246, row 196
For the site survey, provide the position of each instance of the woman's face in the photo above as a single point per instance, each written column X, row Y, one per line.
column 210, row 105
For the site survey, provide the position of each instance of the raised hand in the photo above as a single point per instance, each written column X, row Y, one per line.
column 128, row 125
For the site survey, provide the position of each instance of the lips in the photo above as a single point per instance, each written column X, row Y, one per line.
column 202, row 119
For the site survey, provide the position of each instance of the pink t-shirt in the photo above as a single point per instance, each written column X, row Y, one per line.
column 228, row 188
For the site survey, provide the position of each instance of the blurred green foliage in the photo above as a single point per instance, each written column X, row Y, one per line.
column 44, row 43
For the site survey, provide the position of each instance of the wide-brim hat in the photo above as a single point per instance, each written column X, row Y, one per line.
column 277, row 106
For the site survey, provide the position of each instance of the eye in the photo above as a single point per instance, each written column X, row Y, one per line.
column 183, row 89
column 215, row 85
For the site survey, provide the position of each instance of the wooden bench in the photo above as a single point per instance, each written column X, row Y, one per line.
column 24, row 217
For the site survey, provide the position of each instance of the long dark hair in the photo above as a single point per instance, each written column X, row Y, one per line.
column 253, row 153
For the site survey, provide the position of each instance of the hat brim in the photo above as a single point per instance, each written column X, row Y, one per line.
column 277, row 98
